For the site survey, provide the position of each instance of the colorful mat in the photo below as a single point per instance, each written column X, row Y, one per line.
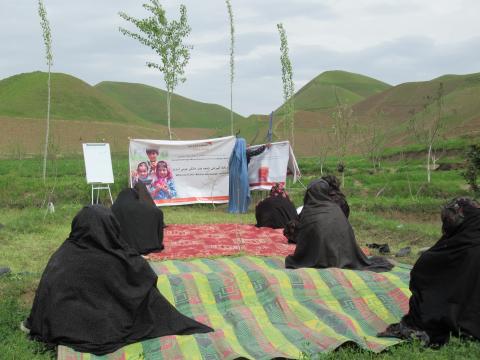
column 194, row 241
column 260, row 310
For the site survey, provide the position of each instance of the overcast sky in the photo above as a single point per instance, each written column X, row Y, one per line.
column 391, row 40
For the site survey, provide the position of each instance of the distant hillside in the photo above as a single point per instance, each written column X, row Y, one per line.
column 399, row 103
column 150, row 104
column 122, row 110
column 392, row 107
column 319, row 93
column 25, row 95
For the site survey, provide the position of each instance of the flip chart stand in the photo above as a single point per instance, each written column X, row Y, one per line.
column 98, row 168
column 99, row 187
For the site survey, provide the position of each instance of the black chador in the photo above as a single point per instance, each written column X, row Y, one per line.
column 445, row 281
column 325, row 238
column 97, row 294
column 140, row 220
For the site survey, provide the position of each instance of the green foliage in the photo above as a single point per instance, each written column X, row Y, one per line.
column 166, row 38
column 47, row 35
column 288, row 87
column 47, row 38
column 232, row 60
column 473, row 168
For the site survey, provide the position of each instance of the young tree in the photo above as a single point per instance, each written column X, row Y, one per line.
column 372, row 138
column 342, row 130
column 428, row 125
column 288, row 86
column 472, row 169
column 232, row 60
column 166, row 38
column 47, row 39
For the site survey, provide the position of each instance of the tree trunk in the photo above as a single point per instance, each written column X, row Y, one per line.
column 231, row 108
column 169, row 97
column 292, row 122
column 45, row 151
column 321, row 168
column 428, row 163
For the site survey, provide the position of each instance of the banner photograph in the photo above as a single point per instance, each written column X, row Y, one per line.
column 182, row 172
column 272, row 166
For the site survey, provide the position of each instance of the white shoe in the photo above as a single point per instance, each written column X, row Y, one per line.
column 25, row 329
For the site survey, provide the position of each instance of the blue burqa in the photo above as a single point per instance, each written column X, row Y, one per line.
column 238, row 190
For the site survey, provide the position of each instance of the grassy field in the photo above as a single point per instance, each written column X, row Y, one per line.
column 394, row 205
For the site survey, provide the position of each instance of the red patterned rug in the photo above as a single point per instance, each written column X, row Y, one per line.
column 196, row 241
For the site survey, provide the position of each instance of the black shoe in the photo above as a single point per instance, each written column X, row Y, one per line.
column 384, row 249
column 403, row 252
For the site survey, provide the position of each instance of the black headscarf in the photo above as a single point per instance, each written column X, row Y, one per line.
column 97, row 294
column 337, row 196
column 276, row 210
column 140, row 220
column 325, row 238
column 445, row 280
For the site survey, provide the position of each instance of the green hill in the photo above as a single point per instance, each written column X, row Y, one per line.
column 319, row 93
column 150, row 104
column 25, row 95
column 400, row 103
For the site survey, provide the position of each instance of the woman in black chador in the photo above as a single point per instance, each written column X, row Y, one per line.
column 325, row 238
column 445, row 281
column 276, row 210
column 97, row 294
column 140, row 220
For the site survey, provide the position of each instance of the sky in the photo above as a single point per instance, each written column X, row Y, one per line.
column 394, row 41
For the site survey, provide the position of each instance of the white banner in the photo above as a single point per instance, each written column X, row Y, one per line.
column 182, row 172
column 272, row 166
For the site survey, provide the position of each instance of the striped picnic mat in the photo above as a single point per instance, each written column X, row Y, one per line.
column 260, row 310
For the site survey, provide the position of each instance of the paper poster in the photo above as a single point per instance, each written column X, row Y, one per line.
column 272, row 166
column 182, row 172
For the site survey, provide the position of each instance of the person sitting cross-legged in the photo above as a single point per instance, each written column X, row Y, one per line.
column 276, row 210
column 445, row 281
column 140, row 219
column 325, row 238
column 97, row 294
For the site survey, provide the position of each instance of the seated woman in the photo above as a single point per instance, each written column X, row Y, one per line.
column 445, row 281
column 97, row 294
column 276, row 210
column 336, row 194
column 140, row 220
column 325, row 238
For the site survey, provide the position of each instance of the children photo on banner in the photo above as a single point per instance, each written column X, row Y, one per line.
column 272, row 166
column 182, row 172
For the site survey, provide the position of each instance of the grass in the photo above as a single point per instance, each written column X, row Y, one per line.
column 149, row 103
column 320, row 93
column 405, row 213
column 25, row 96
